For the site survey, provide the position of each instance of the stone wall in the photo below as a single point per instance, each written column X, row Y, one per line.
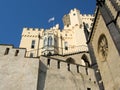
column 16, row 71
column 58, row 75
column 109, row 64
column 77, row 57
column 20, row 73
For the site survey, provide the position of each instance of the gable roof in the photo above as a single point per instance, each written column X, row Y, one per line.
column 110, row 21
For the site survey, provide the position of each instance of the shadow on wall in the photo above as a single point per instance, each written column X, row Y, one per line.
column 42, row 72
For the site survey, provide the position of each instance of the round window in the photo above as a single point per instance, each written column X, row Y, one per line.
column 103, row 47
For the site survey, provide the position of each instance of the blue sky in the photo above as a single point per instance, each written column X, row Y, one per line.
column 16, row 14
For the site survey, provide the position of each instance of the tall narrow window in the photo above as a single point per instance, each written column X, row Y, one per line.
column 49, row 41
column 66, row 45
column 6, row 51
column 48, row 62
column 45, row 41
column 16, row 53
column 33, row 44
column 55, row 42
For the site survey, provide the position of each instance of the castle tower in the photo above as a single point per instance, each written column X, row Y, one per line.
column 39, row 41
column 72, row 19
column 55, row 41
column 73, row 32
column 31, row 39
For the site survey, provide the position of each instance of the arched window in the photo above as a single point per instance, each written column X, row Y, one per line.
column 85, row 60
column 49, row 41
column 45, row 41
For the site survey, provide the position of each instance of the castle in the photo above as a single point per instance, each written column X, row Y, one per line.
column 84, row 55
column 55, row 41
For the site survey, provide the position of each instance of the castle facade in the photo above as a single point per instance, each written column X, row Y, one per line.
column 55, row 41
column 84, row 55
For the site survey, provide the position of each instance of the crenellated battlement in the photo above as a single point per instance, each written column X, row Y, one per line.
column 52, row 64
column 47, row 66
column 87, row 15
column 33, row 29
column 74, row 10
column 34, row 32
column 56, row 26
column 10, row 51
column 49, row 62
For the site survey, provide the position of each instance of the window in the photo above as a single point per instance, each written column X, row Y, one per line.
column 16, row 53
column 66, row 48
column 74, row 14
column 66, row 45
column 103, row 47
column 6, row 51
column 31, row 55
column 67, row 25
column 48, row 62
column 45, row 41
column 49, row 41
column 55, row 42
column 87, row 26
column 80, row 25
column 33, row 44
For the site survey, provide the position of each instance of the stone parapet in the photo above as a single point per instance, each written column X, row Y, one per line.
column 88, row 73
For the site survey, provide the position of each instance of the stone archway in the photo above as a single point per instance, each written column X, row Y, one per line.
column 70, row 60
column 85, row 60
